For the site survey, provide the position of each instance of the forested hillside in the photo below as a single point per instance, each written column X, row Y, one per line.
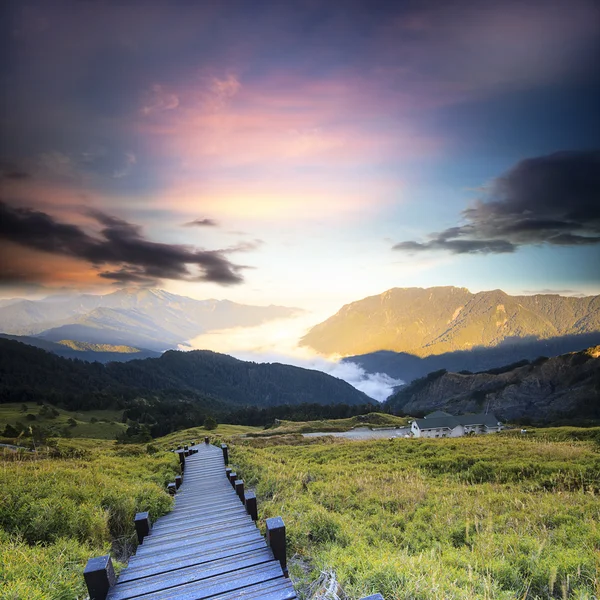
column 29, row 374
column 544, row 390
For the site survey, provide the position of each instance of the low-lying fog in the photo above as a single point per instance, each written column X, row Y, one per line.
column 277, row 341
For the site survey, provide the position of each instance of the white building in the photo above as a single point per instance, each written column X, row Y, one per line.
column 441, row 424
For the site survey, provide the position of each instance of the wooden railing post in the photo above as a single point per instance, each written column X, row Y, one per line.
column 178, row 481
column 232, row 478
column 276, row 540
column 225, row 453
column 142, row 525
column 239, row 488
column 99, row 576
column 172, row 488
column 251, row 508
column 228, row 472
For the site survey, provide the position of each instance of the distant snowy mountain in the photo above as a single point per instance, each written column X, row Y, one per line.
column 140, row 317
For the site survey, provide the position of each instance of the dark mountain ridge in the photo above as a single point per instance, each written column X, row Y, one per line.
column 407, row 367
column 84, row 350
column 28, row 373
column 545, row 390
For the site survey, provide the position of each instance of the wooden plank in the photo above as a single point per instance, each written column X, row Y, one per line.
column 222, row 584
column 189, row 559
column 207, row 547
column 188, row 575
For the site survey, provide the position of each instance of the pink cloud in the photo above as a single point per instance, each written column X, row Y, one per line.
column 289, row 121
column 159, row 99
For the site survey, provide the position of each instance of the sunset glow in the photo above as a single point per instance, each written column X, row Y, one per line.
column 320, row 152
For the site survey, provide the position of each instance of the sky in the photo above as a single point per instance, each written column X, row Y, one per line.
column 304, row 153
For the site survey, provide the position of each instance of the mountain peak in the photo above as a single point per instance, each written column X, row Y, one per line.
column 132, row 316
column 431, row 321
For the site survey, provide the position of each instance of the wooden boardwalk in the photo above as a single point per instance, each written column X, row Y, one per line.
column 207, row 547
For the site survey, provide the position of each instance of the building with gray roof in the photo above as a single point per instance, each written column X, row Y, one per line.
column 441, row 424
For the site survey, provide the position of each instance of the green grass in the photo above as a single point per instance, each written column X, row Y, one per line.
column 372, row 420
column 106, row 426
column 490, row 517
column 493, row 517
column 556, row 434
column 75, row 502
column 222, row 432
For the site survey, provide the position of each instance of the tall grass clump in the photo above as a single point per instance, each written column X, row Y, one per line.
column 488, row 517
column 76, row 501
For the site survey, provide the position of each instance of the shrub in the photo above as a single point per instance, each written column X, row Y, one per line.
column 210, row 423
column 10, row 431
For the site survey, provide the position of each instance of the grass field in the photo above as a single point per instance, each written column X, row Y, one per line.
column 97, row 424
column 222, row 432
column 490, row 517
column 493, row 517
column 76, row 502
column 372, row 420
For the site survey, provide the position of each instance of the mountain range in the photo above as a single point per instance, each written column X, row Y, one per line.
column 407, row 367
column 28, row 373
column 545, row 390
column 84, row 350
column 430, row 321
column 143, row 318
column 409, row 332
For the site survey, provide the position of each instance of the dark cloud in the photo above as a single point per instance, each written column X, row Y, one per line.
column 16, row 175
column 551, row 199
column 9, row 170
column 201, row 223
column 246, row 246
column 129, row 275
column 120, row 245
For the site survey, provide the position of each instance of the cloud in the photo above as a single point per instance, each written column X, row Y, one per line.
column 120, row 244
column 218, row 92
column 246, row 246
column 129, row 161
column 553, row 199
column 277, row 341
column 157, row 99
column 58, row 164
column 10, row 170
column 202, row 223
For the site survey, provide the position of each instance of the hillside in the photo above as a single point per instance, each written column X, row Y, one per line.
column 84, row 350
column 547, row 389
column 28, row 373
column 433, row 321
column 407, row 367
column 139, row 317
